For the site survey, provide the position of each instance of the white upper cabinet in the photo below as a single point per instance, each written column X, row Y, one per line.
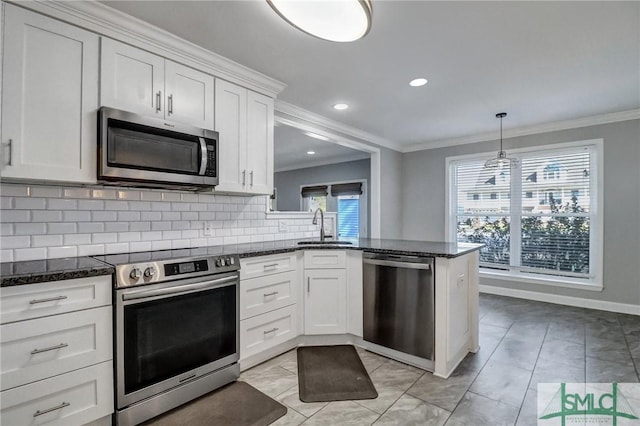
column 49, row 99
column 244, row 120
column 138, row 81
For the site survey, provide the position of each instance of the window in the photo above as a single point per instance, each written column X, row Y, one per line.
column 349, row 216
column 541, row 237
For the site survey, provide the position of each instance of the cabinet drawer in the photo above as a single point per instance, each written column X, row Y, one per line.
column 263, row 294
column 40, row 348
column 324, row 259
column 73, row 398
column 38, row 300
column 266, row 265
column 268, row 330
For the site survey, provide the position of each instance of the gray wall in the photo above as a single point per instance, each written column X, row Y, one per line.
column 391, row 202
column 423, row 200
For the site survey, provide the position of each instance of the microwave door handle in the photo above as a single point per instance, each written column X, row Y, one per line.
column 203, row 156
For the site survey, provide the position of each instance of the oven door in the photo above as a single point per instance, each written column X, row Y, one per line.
column 169, row 334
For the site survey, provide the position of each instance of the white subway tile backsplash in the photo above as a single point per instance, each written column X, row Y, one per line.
column 189, row 216
column 178, row 244
column 6, row 203
column 128, row 195
column 77, row 193
column 116, row 248
column 125, row 237
column 151, row 236
column 116, row 226
column 206, row 198
column 105, row 194
column 214, row 241
column 90, row 227
column 223, row 216
column 6, row 229
column 188, row 197
column 160, row 226
column 10, row 190
column 139, row 226
column 90, row 205
column 180, row 225
column 45, row 191
column 91, row 250
column 62, row 228
column 21, row 203
column 6, row 255
column 180, row 207
column 170, row 196
column 190, row 233
column 76, row 239
column 151, row 196
column 160, row 245
column 171, row 215
column 76, row 216
column 61, row 204
column 230, row 240
column 46, row 216
column 140, row 246
column 98, row 216
column 161, row 206
column 15, row 242
column 128, row 216
column 104, row 237
column 242, row 239
column 30, row 228
column 63, row 251
column 206, row 216
column 151, row 216
column 29, row 254
column 116, row 205
column 171, row 235
column 140, row 206
column 46, row 240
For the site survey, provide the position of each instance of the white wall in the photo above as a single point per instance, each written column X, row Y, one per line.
column 423, row 200
column 40, row 222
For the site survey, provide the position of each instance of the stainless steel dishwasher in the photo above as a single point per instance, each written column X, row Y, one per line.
column 398, row 301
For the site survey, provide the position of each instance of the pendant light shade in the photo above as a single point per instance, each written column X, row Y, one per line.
column 333, row 20
column 501, row 161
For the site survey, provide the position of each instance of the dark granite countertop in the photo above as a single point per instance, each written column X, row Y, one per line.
column 34, row 271
column 39, row 271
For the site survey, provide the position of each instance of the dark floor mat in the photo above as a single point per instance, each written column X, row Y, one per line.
column 237, row 404
column 332, row 373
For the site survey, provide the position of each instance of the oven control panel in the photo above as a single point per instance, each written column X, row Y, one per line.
column 155, row 272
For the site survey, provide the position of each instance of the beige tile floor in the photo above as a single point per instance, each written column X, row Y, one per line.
column 522, row 343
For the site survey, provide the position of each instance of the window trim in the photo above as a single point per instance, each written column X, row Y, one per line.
column 596, row 189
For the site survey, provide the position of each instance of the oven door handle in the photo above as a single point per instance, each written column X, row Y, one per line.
column 187, row 288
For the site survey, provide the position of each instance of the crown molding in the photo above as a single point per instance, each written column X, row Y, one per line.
column 595, row 120
column 282, row 107
column 112, row 23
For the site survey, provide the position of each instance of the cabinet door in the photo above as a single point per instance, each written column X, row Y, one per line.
column 49, row 99
column 325, row 307
column 259, row 144
column 131, row 79
column 189, row 95
column 231, row 124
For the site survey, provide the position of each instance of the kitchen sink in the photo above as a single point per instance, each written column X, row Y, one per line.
column 326, row 242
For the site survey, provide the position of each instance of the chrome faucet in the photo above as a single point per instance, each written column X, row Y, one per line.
column 315, row 222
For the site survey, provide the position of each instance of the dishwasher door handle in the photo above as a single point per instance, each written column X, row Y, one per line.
column 393, row 263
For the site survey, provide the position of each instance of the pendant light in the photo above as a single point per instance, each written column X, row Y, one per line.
column 333, row 20
column 501, row 161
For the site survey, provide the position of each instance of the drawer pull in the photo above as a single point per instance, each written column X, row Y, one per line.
column 273, row 330
column 52, row 348
column 271, row 266
column 48, row 410
column 50, row 299
column 273, row 293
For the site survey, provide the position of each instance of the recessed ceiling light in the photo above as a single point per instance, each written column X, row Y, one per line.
column 341, row 107
column 316, row 136
column 311, row 152
column 345, row 20
column 418, row 82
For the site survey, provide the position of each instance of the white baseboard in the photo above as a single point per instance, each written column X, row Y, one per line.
column 603, row 305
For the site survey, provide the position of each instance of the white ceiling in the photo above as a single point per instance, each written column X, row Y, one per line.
column 292, row 145
column 539, row 61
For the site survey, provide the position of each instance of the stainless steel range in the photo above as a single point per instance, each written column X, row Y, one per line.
column 176, row 329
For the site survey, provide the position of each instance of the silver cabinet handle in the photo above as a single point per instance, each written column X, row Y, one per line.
column 50, row 348
column 251, row 175
column 170, row 106
column 49, row 299
column 10, row 144
column 244, row 177
column 270, row 266
column 48, row 410
column 159, row 101
column 308, row 284
column 273, row 330
column 273, row 293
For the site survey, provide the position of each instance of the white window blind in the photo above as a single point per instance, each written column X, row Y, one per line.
column 537, row 219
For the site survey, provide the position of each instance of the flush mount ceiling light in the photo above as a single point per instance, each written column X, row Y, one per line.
column 501, row 161
column 316, row 136
column 340, row 107
column 418, row 82
column 311, row 152
column 333, row 20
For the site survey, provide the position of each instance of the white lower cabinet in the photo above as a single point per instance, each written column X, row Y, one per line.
column 265, row 331
column 56, row 350
column 74, row 398
column 325, row 301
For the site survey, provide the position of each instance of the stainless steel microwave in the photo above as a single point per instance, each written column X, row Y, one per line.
column 135, row 150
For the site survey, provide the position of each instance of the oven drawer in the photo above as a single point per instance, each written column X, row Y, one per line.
column 252, row 267
column 263, row 294
column 267, row 330
column 44, row 347
column 74, row 398
column 314, row 259
column 38, row 300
